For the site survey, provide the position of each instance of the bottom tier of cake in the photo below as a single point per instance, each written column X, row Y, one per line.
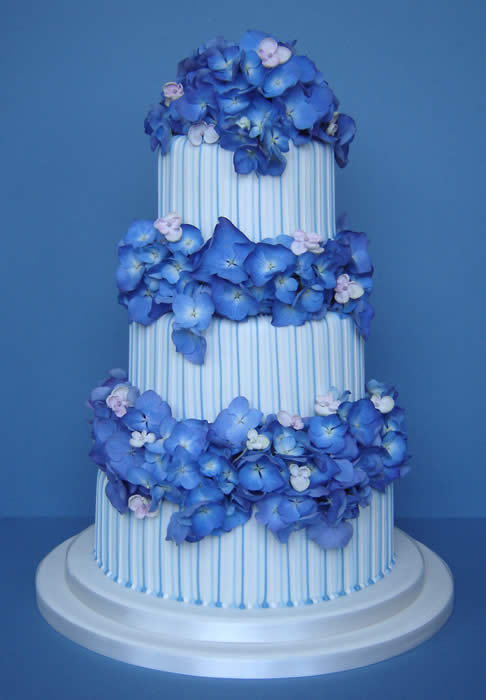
column 245, row 568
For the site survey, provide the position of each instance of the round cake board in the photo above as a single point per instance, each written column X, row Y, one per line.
column 397, row 613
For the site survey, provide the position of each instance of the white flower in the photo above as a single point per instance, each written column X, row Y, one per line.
column 327, row 404
column 256, row 441
column 289, row 421
column 170, row 226
column 332, row 126
column 299, row 477
column 201, row 131
column 384, row 404
column 347, row 289
column 139, row 439
column 244, row 123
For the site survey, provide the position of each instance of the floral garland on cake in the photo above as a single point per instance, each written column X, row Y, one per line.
column 253, row 98
column 311, row 473
column 165, row 267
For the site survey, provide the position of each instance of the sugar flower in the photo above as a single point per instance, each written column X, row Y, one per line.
column 140, row 507
column 172, row 91
column 271, row 53
column 384, row 404
column 332, row 127
column 257, row 441
column 306, row 242
column 289, row 421
column 346, row 289
column 201, row 131
column 170, row 227
column 381, row 396
column 299, row 477
column 327, row 404
column 119, row 400
column 141, row 438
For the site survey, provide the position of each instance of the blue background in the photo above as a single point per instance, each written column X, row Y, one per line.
column 77, row 79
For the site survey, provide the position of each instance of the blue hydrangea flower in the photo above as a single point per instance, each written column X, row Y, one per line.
column 235, row 516
column 117, row 493
column 179, row 527
column 396, row 449
column 248, row 159
column 285, row 287
column 207, row 518
column 227, row 253
column 365, row 422
column 206, row 492
column 266, row 261
column 261, row 475
column 190, row 242
column 189, row 344
column 195, row 104
column 252, row 68
column 148, row 413
column 233, row 423
column 268, row 513
column 280, row 79
column 288, row 315
column 122, row 457
column 327, row 433
column 190, row 434
column 330, row 536
column 233, row 301
column 140, row 233
column 183, row 470
column 193, row 311
column 175, row 267
column 130, row 270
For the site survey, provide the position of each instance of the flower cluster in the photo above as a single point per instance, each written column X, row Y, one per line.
column 165, row 267
column 297, row 472
column 254, row 98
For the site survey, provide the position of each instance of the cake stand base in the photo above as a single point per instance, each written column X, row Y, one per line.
column 395, row 614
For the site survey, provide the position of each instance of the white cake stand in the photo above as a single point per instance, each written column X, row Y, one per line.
column 399, row 612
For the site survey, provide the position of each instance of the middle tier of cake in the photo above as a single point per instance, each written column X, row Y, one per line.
column 274, row 368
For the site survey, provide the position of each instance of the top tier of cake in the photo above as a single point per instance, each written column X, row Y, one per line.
column 200, row 184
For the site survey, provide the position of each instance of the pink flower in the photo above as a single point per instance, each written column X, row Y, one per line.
column 118, row 400
column 140, row 506
column 170, row 226
column 172, row 91
column 346, row 289
column 306, row 242
column 327, row 404
column 201, row 131
column 289, row 421
column 271, row 53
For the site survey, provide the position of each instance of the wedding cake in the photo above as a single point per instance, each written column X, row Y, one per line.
column 246, row 467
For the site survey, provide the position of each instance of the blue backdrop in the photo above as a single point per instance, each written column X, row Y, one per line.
column 77, row 79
